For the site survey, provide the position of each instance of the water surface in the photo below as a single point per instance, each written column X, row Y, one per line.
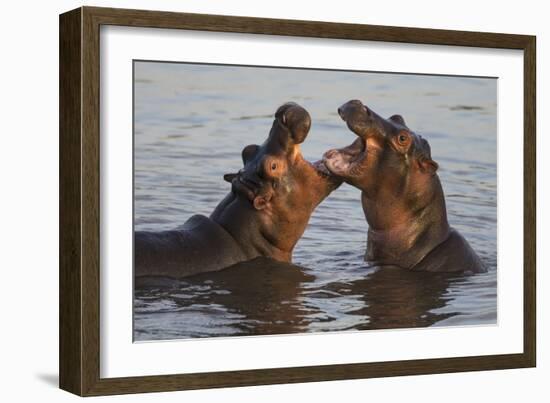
column 190, row 125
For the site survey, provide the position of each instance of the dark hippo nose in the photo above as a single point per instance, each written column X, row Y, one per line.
column 296, row 119
column 351, row 108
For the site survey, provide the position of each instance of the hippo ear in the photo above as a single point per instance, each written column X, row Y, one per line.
column 229, row 177
column 249, row 152
column 296, row 119
column 261, row 202
column 427, row 165
column 398, row 119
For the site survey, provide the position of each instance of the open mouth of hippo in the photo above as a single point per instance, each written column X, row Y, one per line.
column 322, row 169
column 343, row 161
column 348, row 160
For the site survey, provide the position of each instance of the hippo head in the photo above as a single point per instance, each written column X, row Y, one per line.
column 386, row 157
column 278, row 182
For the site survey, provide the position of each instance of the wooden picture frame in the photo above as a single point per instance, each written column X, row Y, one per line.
column 79, row 346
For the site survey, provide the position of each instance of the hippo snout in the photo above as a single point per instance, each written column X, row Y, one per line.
column 296, row 119
column 354, row 109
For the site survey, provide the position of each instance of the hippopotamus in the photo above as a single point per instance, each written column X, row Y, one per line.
column 264, row 215
column 401, row 194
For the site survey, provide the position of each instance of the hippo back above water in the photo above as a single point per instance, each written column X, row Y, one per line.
column 401, row 194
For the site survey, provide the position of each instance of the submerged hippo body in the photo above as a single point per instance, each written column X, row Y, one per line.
column 265, row 214
column 402, row 197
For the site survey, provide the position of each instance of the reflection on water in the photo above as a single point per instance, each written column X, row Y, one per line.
column 191, row 123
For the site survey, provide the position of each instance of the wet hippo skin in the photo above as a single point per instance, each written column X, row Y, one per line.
column 265, row 214
column 402, row 197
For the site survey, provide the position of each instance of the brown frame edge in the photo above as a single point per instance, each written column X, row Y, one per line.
column 79, row 200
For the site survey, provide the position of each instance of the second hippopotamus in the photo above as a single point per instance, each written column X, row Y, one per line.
column 265, row 214
column 402, row 197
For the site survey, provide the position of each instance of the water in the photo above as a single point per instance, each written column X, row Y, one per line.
column 191, row 123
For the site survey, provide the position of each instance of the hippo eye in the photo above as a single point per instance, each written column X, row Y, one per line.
column 273, row 166
column 402, row 139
